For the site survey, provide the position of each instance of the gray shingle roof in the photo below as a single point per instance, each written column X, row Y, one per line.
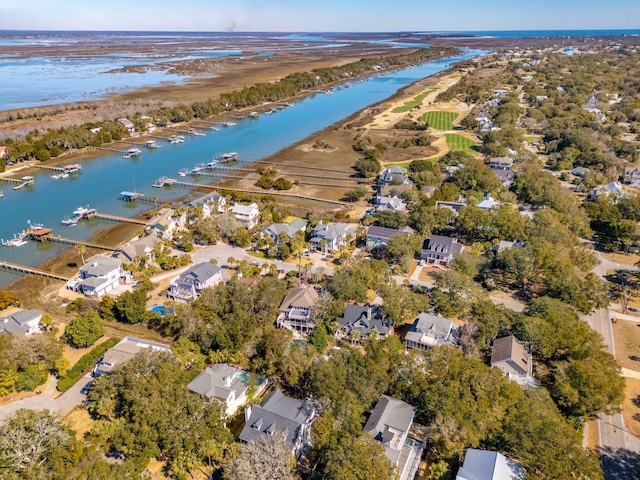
column 99, row 265
column 364, row 319
column 305, row 297
column 198, row 273
column 219, row 381
column 18, row 321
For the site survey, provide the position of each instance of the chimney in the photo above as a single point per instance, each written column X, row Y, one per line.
column 247, row 413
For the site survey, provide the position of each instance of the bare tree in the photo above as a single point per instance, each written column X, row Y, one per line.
column 267, row 458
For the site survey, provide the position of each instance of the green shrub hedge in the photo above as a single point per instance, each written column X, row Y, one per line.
column 84, row 364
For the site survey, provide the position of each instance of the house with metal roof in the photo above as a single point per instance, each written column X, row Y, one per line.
column 249, row 215
column 24, row 322
column 227, row 384
column 489, row 465
column 389, row 424
column 430, row 330
column 123, row 351
column 190, row 284
column 297, row 308
column 380, row 236
column 281, row 417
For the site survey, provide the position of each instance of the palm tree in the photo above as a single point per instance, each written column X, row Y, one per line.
column 81, row 249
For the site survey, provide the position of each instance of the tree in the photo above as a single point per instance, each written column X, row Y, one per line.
column 81, row 249
column 84, row 330
column 358, row 458
column 263, row 459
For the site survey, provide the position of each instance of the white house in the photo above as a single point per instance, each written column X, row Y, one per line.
column 296, row 309
column 229, row 385
column 168, row 223
column 128, row 124
column 23, row 321
column 431, row 330
column 249, row 215
column 487, row 203
column 393, row 203
column 489, row 465
column 278, row 231
column 211, row 203
column 189, row 285
column 329, row 237
column 98, row 276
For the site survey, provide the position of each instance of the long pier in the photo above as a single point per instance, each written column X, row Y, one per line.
column 72, row 242
column 14, row 267
column 293, row 165
column 222, row 176
column 119, row 219
column 310, row 175
column 13, row 181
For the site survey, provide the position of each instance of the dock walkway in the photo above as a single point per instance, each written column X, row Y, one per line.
column 14, row 267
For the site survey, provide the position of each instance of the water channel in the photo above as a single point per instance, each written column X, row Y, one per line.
column 103, row 178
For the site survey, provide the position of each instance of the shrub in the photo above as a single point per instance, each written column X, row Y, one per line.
column 84, row 364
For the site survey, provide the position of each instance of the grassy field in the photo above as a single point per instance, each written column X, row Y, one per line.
column 414, row 102
column 458, row 143
column 440, row 120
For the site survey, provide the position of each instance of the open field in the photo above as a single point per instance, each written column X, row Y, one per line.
column 414, row 102
column 440, row 120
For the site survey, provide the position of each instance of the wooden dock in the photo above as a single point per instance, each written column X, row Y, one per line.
column 73, row 243
column 15, row 268
column 119, row 219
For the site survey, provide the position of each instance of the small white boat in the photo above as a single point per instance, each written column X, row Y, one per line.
column 1, row 194
column 214, row 128
column 132, row 152
column 228, row 157
column 228, row 124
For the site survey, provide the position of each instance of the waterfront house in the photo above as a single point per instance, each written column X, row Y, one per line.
column 430, row 330
column 389, row 424
column 283, row 232
column 167, row 223
column 329, row 237
column 380, row 236
column 128, row 124
column 211, row 203
column 440, row 250
column 23, row 322
column 297, row 308
column 282, row 417
column 489, row 465
column 249, row 215
column 190, row 284
column 227, row 384
column 123, row 351
column 98, row 276
column 140, row 249
column 360, row 321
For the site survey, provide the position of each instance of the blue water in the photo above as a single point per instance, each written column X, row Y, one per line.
column 102, row 179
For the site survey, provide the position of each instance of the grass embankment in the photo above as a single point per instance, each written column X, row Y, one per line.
column 414, row 102
column 439, row 120
column 458, row 143
column 84, row 364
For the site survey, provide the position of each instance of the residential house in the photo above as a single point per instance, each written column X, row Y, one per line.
column 128, row 124
column 395, row 204
column 150, row 127
column 281, row 417
column 504, row 244
column 506, row 177
column 249, row 215
column 455, row 207
column 98, row 276
column 380, row 236
column 389, row 424
column 394, row 176
column 582, row 171
column 440, row 250
column 190, row 284
column 3, row 151
column 360, row 321
column 430, row 330
column 487, row 202
column 631, row 176
column 227, row 384
column 500, row 92
column 167, row 223
column 296, row 309
column 503, row 163
column 329, row 237
column 141, row 248
column 280, row 232
column 211, row 203
column 512, row 358
column 123, row 351
column 613, row 190
column 489, row 465
column 23, row 322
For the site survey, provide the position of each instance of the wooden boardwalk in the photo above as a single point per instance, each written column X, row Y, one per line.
column 14, row 267
column 119, row 219
column 72, row 242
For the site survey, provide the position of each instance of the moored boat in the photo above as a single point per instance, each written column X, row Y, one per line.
column 132, row 152
column 228, row 157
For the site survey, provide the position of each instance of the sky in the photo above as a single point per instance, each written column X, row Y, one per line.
column 318, row 15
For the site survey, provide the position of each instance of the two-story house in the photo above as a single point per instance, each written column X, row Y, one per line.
column 440, row 250
column 281, row 417
column 24, row 322
column 430, row 330
column 249, row 215
column 284, row 231
column 360, row 321
column 227, row 384
column 296, row 309
column 189, row 285
column 379, row 236
column 212, row 203
column 123, row 351
column 329, row 237
column 512, row 358
column 98, row 276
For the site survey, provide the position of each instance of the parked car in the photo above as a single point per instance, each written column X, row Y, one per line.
column 86, row 388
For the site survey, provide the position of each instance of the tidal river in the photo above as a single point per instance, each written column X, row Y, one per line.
column 102, row 179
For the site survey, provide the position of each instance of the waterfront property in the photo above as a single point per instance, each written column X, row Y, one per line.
column 281, row 417
column 23, row 322
column 140, row 249
column 249, row 215
column 125, row 350
column 228, row 385
column 190, row 284
column 98, row 276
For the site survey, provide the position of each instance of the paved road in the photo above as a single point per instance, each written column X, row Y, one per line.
column 619, row 449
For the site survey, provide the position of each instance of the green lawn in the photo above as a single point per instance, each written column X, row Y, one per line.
column 458, row 143
column 415, row 102
column 440, row 120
